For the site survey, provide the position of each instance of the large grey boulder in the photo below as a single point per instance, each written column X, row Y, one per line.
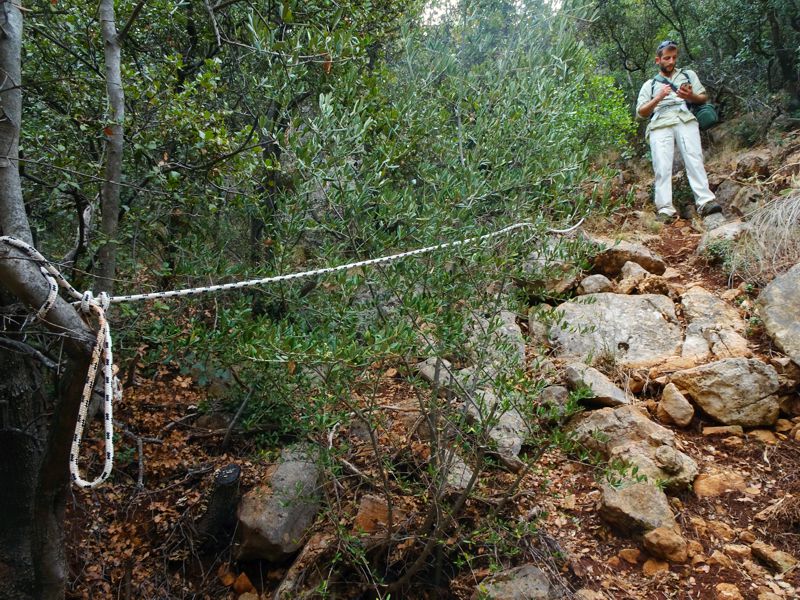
column 637, row 331
column 273, row 518
column 734, row 391
column 626, row 434
column 616, row 253
column 496, row 341
column 508, row 427
column 723, row 235
column 521, row 583
column 603, row 389
column 635, row 507
column 714, row 327
column 779, row 308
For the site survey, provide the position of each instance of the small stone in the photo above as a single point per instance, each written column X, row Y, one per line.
column 721, row 530
column 718, row 483
column 763, row 435
column 595, row 284
column 653, row 567
column 783, row 425
column 635, row 507
column 737, row 551
column 665, row 542
column 727, row 591
column 748, row 537
column 631, row 270
column 587, row 594
column 733, row 442
column 769, row 596
column 694, row 548
column 721, row 559
column 674, row 407
column 526, row 581
column 373, row 515
column 699, row 559
column 613, row 562
column 777, row 560
column 603, row 389
column 630, row 555
column 724, row 430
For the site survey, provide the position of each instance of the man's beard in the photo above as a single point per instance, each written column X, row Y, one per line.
column 667, row 72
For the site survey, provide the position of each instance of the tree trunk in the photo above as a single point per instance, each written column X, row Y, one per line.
column 35, row 484
column 107, row 254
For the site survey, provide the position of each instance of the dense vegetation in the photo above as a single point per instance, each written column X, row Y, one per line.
column 236, row 140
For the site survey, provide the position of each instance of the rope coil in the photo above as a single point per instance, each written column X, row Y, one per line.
column 89, row 305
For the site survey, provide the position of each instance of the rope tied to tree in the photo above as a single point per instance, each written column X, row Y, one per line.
column 89, row 305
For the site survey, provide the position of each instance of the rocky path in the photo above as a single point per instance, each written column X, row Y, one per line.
column 697, row 399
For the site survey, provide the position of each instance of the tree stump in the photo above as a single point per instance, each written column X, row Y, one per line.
column 215, row 527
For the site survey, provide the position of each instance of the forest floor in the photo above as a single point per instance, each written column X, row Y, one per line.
column 139, row 541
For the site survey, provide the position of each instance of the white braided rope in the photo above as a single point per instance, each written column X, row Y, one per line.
column 88, row 304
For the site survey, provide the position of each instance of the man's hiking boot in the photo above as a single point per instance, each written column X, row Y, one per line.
column 666, row 218
column 709, row 208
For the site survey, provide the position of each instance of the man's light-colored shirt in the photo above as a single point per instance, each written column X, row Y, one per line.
column 672, row 109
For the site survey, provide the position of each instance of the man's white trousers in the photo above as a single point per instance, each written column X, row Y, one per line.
column 662, row 147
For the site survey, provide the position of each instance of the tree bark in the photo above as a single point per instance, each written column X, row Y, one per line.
column 110, row 204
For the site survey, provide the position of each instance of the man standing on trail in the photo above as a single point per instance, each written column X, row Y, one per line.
column 663, row 99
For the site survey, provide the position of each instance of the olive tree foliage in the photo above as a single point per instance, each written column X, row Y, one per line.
column 264, row 138
column 746, row 50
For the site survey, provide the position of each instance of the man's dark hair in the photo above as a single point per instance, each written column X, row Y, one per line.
column 666, row 45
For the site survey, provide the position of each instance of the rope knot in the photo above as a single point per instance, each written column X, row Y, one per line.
column 104, row 300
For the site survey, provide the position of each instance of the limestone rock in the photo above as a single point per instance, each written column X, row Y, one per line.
column 747, row 200
column 438, row 372
column 637, row 331
column 779, row 309
column 497, row 341
column 714, row 327
column 609, row 262
column 726, row 192
column 633, row 270
column 604, row 390
column 674, row 407
column 624, row 433
column 729, row 232
column 459, row 473
column 595, row 284
column 509, row 427
column 776, row 560
column 754, row 164
column 554, row 398
column 735, row 391
column 635, row 507
column 735, row 430
column 727, row 591
column 373, row 515
column 273, row 519
column 666, row 543
column 521, row 583
column 716, row 483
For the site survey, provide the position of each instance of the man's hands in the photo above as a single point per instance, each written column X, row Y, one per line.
column 665, row 91
column 647, row 109
column 685, row 92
